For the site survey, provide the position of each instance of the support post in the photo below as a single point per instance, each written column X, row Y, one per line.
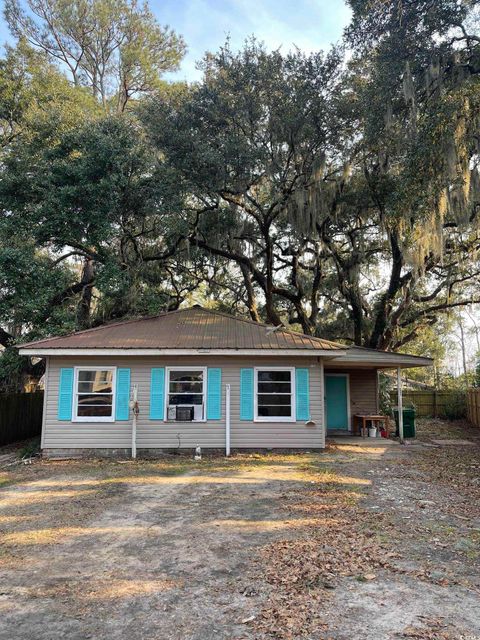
column 324, row 400
column 227, row 420
column 400, row 403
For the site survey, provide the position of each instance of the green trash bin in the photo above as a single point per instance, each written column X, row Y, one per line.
column 408, row 422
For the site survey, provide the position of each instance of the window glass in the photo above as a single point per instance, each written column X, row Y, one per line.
column 186, row 398
column 274, row 394
column 96, row 381
column 186, row 376
column 274, row 412
column 264, row 399
column 94, row 393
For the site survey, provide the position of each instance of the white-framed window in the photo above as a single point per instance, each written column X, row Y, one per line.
column 275, row 394
column 186, row 388
column 94, row 394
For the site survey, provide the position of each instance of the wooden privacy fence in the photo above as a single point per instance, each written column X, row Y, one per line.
column 20, row 416
column 434, row 404
column 473, row 406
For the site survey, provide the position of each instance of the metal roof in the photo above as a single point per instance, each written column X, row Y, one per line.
column 195, row 328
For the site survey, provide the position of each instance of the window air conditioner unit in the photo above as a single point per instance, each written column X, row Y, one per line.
column 185, row 414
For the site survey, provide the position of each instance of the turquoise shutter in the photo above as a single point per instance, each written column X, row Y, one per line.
column 246, row 394
column 157, row 394
column 214, row 394
column 122, row 396
column 302, row 393
column 65, row 394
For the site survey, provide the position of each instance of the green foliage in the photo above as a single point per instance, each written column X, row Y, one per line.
column 116, row 48
column 237, row 129
column 244, row 146
column 476, row 382
column 12, row 370
column 72, row 195
column 30, row 449
column 456, row 406
column 36, row 100
column 422, row 91
column 412, row 28
column 385, row 387
column 29, row 281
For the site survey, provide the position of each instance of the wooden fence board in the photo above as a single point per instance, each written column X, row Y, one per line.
column 473, row 406
column 429, row 404
column 20, row 416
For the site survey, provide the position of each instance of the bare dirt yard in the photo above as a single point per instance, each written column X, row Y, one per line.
column 357, row 542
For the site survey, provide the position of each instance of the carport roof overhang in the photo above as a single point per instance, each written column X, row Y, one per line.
column 360, row 357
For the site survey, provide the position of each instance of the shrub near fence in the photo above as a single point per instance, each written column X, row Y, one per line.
column 473, row 406
column 20, row 416
column 434, row 404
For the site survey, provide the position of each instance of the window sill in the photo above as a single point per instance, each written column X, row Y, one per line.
column 93, row 420
column 273, row 420
column 184, row 421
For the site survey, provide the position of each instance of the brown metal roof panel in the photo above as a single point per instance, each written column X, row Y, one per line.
column 282, row 339
column 194, row 328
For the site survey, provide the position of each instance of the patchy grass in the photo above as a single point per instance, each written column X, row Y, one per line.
column 435, row 428
column 29, row 448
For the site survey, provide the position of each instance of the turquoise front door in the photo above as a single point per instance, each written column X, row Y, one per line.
column 336, row 399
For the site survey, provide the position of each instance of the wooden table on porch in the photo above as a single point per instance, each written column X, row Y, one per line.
column 360, row 423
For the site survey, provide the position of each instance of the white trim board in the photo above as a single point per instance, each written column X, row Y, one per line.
column 45, row 396
column 293, row 399
column 94, row 419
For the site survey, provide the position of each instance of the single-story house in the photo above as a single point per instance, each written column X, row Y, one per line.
column 202, row 378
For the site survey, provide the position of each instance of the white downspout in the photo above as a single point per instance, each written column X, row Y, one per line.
column 45, row 396
column 135, row 410
column 227, row 420
column 323, row 399
column 400, row 404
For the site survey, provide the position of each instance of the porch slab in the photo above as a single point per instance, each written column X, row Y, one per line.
column 455, row 443
column 363, row 442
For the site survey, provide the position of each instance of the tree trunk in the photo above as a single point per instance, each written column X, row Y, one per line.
column 464, row 354
column 271, row 312
column 251, row 298
column 383, row 308
column 85, row 304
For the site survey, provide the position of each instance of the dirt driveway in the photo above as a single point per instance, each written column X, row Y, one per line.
column 355, row 542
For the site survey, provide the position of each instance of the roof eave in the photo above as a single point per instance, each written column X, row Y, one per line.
column 407, row 364
column 404, row 362
column 32, row 351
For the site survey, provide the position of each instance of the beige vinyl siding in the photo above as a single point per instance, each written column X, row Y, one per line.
column 363, row 389
column 159, row 434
